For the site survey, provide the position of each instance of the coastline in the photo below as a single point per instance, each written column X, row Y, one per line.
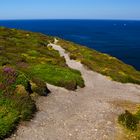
column 110, row 37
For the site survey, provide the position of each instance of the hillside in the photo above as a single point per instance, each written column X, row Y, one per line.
column 102, row 63
column 27, row 63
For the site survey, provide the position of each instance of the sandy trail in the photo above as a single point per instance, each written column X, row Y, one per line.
column 85, row 114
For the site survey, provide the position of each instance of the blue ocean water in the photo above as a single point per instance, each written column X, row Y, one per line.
column 115, row 37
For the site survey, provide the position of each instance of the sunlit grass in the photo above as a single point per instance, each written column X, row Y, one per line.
column 102, row 63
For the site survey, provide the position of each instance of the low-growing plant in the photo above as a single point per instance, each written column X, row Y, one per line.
column 128, row 120
column 57, row 75
column 26, row 58
column 40, row 87
column 14, row 106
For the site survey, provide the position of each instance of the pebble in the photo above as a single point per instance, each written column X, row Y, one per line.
column 108, row 123
column 105, row 137
column 85, row 116
column 95, row 130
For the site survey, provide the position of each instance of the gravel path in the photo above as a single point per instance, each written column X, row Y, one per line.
column 86, row 114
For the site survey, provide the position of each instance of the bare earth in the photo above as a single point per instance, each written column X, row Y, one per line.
column 85, row 114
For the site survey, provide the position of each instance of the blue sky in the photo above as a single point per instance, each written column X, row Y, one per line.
column 70, row 9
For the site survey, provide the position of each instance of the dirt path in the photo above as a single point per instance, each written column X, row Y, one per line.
column 86, row 114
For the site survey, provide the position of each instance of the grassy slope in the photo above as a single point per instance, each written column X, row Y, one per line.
column 117, row 71
column 24, row 58
column 28, row 58
column 15, row 102
column 25, row 50
column 102, row 63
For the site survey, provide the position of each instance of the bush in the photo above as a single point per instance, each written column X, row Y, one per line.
column 40, row 87
column 128, row 120
column 15, row 102
column 12, row 110
column 8, row 120
column 26, row 106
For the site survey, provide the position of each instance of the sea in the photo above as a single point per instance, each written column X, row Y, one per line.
column 118, row 38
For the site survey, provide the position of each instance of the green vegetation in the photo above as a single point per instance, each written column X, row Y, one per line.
column 15, row 102
column 25, row 51
column 26, row 64
column 71, row 78
column 102, row 63
column 131, row 123
column 128, row 120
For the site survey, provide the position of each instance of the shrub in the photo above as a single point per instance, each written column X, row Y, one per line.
column 14, row 106
column 26, row 106
column 128, row 120
column 40, row 87
column 8, row 120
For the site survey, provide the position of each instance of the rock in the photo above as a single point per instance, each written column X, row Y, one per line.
column 40, row 88
column 20, row 89
column 95, row 130
column 109, row 123
column 14, row 135
column 105, row 136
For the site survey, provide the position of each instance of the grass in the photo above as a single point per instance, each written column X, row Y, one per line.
column 128, row 120
column 12, row 110
column 25, row 50
column 64, row 77
column 26, row 64
column 102, row 63
column 131, row 123
column 14, row 105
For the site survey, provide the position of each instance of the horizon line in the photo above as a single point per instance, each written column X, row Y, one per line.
column 70, row 19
